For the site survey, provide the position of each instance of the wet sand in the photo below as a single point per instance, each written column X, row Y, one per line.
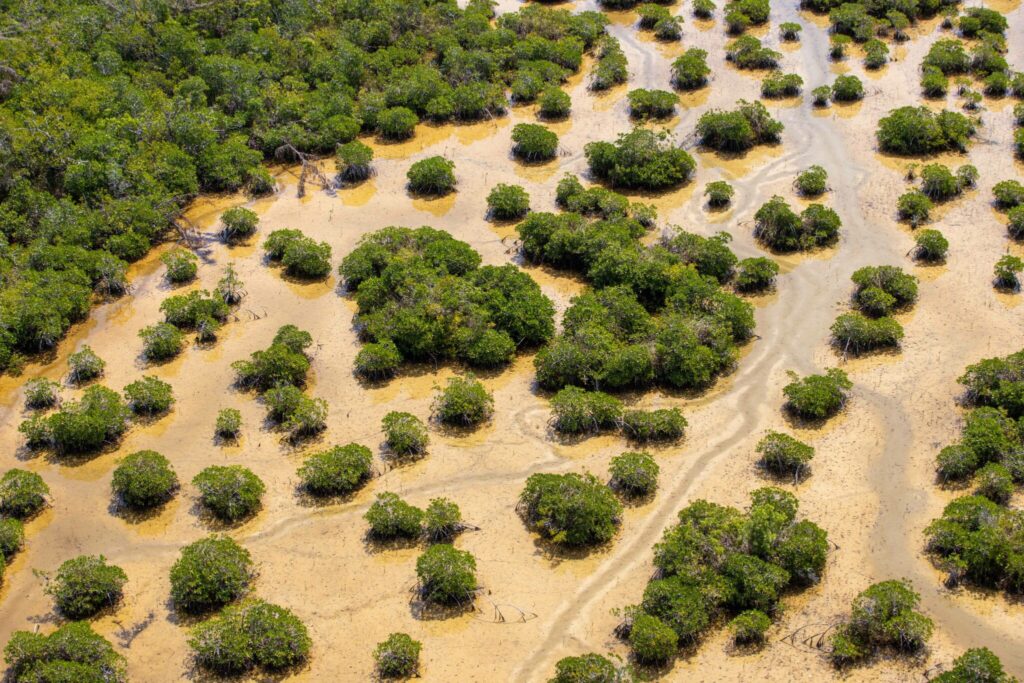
column 872, row 486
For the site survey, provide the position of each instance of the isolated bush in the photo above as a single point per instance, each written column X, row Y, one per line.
column 719, row 193
column 447, row 576
column 576, row 411
column 229, row 423
column 897, row 290
column 283, row 362
column 149, row 396
column 554, row 103
column 778, row 84
column 855, row 333
column 746, row 52
column 144, row 480
column 85, row 585
column 74, row 652
column 917, row 130
column 463, row 401
column 938, row 182
column 252, row 634
column 817, row 396
column 209, row 573
column 640, row 159
column 651, row 104
column 571, row 509
column 533, row 142
column 690, row 70
column 1008, row 194
column 789, row 30
column 507, row 202
column 821, row 95
column 977, row 665
column 391, row 517
column 783, row 455
column 442, row 520
column 876, row 54
column 229, row 492
column 161, row 341
column 779, row 227
column 189, row 311
column 734, row 131
column 404, row 434
column 882, row 617
column 398, row 656
column 839, row 43
column 934, row 83
column 355, row 161
column 812, row 182
column 41, row 393
column 847, row 88
column 84, row 426
column 588, row 668
column 336, row 471
column 914, row 206
column 930, row 246
column 749, row 626
column 703, row 9
column 22, row 493
column 635, row 474
column 85, row 365
column 238, row 223
column 432, row 176
column 666, row 424
column 756, row 274
column 651, row 639
column 1006, row 270
column 301, row 256
column 181, row 265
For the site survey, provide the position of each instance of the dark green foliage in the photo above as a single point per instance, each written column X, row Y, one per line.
column 640, row 159
column 817, row 396
column 822, row 95
column 882, row 617
column 426, row 293
column 711, row 256
column 588, row 668
column 749, row 627
column 1008, row 194
column 533, row 142
column 783, row 455
column 576, row 411
column 635, row 474
column 930, row 246
column 301, row 256
column 85, row 585
column 934, row 83
column 666, row 424
column 779, row 227
column 442, row 520
column 917, row 130
column 404, row 434
column 652, row 640
column 651, row 104
column 611, row 67
column 229, row 492
column 995, row 482
column 746, row 52
column 508, row 202
column 229, row 423
column 12, row 538
column 690, row 70
column 778, row 84
column 181, row 265
column 756, row 274
column 553, row 103
column 876, row 54
column 398, row 656
column 748, row 125
column 883, row 289
column 790, row 30
column 432, row 176
column 464, row 401
column 703, row 9
column 354, row 161
column 981, row 19
column 847, row 88
column 238, row 223
column 22, row 493
column 812, row 182
column 144, row 480
column 98, row 419
column 378, row 360
column 149, row 396
column 85, row 365
column 337, row 471
column 914, row 207
column 161, row 341
column 977, row 665
column 1006, row 272
column 190, row 311
column 719, row 193
column 447, row 576
column 252, row 634
column 74, row 652
column 391, row 517
column 997, row 382
column 1015, row 222
column 855, row 333
column 571, row 509
column 948, row 56
column 938, row 182
column 397, row 123
column 210, row 573
column 283, row 362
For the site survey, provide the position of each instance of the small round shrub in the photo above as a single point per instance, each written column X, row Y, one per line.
column 464, row 401
column 666, row 424
column 12, row 538
column 783, row 455
column 398, row 656
column 404, row 434
column 651, row 104
column 74, row 652
column 253, row 634
column 22, row 493
column 229, row 423
column 554, row 103
column 914, row 207
column 821, row 95
column 749, row 627
column 144, row 480
column 703, row 9
column 956, row 462
column 574, row 509
column 636, row 474
column 930, row 246
column 777, row 84
column 719, row 193
column 337, row 471
column 855, row 333
column 391, row 517
column 817, row 396
column 588, row 668
column 161, row 341
column 181, row 265
column 442, row 520
column 847, row 89
column 229, row 492
column 85, row 585
column 876, row 54
column 690, row 70
column 210, row 573
column 533, row 142
column 85, row 365
column 238, row 223
column 812, row 182
column 790, row 30
column 1015, row 222
column 355, row 161
column 378, row 360
column 41, row 393
column 397, row 123
column 301, row 256
column 447, row 576
column 432, row 176
column 1008, row 194
column 977, row 665
column 756, row 274
column 653, row 641
column 995, row 483
column 507, row 202
column 1006, row 270
column 149, row 396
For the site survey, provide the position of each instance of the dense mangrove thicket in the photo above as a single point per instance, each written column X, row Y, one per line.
column 111, row 120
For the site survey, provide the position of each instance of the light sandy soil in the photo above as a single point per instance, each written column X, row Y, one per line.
column 872, row 486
